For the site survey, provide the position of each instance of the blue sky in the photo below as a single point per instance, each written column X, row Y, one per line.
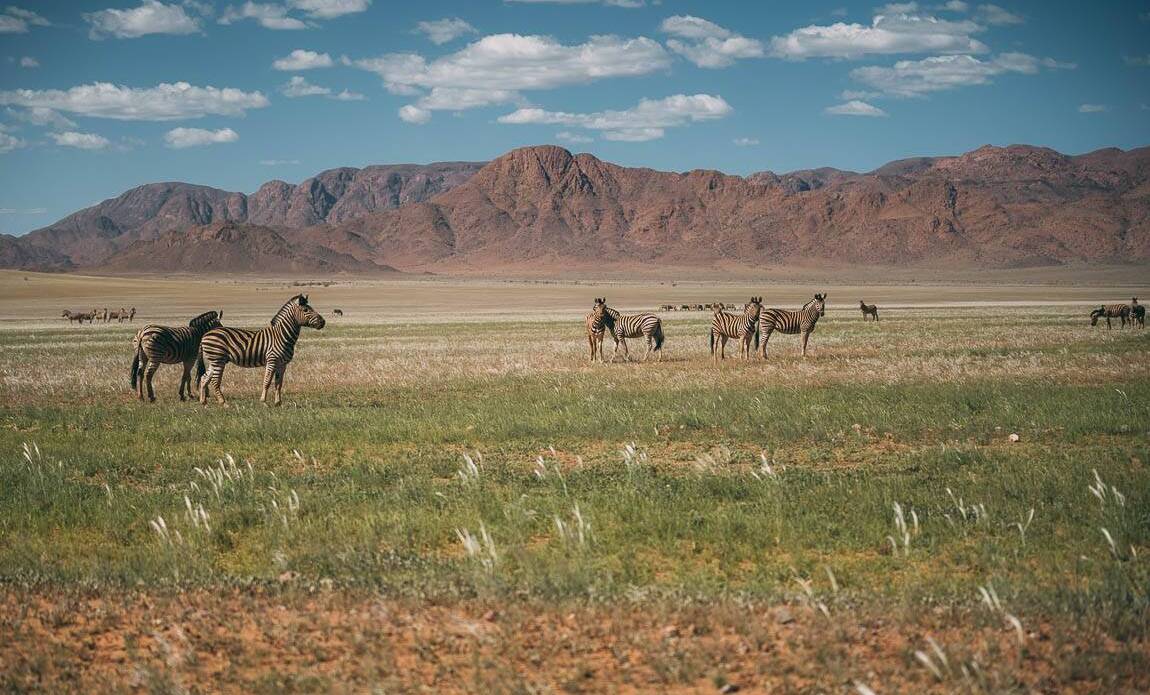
column 97, row 96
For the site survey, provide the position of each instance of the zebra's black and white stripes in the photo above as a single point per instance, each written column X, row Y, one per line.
column 622, row 326
column 271, row 347
column 790, row 322
column 156, row 345
column 597, row 324
column 1110, row 311
column 725, row 325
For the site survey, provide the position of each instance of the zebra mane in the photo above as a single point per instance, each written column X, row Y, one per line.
column 204, row 318
column 286, row 309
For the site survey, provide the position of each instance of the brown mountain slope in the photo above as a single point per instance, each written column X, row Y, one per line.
column 994, row 207
column 229, row 247
column 93, row 235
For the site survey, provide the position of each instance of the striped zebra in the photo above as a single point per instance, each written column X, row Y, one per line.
column 1110, row 311
column 79, row 316
column 155, row 345
column 271, row 347
column 868, row 310
column 791, row 322
column 622, row 326
column 598, row 322
column 1137, row 313
column 726, row 325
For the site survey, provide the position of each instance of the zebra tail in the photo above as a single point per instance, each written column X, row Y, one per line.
column 200, row 369
column 135, row 368
column 756, row 336
column 712, row 340
column 659, row 337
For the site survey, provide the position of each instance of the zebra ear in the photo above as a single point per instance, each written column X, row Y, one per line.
column 302, row 299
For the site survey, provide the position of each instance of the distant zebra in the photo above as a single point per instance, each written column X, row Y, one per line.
column 684, row 307
column 337, row 312
column 725, row 325
column 1110, row 311
column 156, row 345
column 791, row 322
column 79, row 316
column 1137, row 313
column 666, row 307
column 271, row 347
column 868, row 309
column 646, row 325
column 118, row 315
column 132, row 314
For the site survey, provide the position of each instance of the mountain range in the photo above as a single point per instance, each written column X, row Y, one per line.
column 543, row 208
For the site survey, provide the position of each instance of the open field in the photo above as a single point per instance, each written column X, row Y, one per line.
column 452, row 498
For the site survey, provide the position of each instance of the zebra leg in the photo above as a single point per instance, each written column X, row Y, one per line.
column 280, row 383
column 805, row 336
column 148, row 374
column 140, row 379
column 213, row 380
column 269, row 374
column 591, row 342
column 186, row 380
column 722, row 346
column 766, row 339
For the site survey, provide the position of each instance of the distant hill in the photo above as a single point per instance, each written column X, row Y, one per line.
column 544, row 208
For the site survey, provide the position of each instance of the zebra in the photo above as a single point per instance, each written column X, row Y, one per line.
column 646, row 325
column 78, row 316
column 868, row 309
column 1109, row 311
column 271, row 347
column 155, row 345
column 1137, row 313
column 726, row 325
column 790, row 322
column 598, row 322
column 337, row 312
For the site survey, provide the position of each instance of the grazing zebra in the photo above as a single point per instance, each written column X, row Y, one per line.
column 646, row 325
column 790, row 322
column 156, row 345
column 725, row 325
column 79, row 316
column 271, row 347
column 684, row 307
column 337, row 312
column 598, row 322
column 118, row 315
column 1137, row 313
column 1110, row 311
column 868, row 309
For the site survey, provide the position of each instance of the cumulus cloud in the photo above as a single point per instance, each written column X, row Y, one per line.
column 16, row 20
column 955, row 6
column 29, row 62
column 746, row 142
column 300, row 59
column 886, row 34
column 268, row 15
column 179, row 138
column 995, row 15
column 9, row 142
column 910, row 78
column 329, row 9
column 855, row 108
column 348, row 95
column 151, row 17
column 43, row 117
column 298, row 86
column 648, row 120
column 610, row 3
column 414, row 114
column 576, row 138
column 707, row 44
column 164, row 102
column 496, row 68
column 1138, row 61
column 81, row 141
column 1093, row 108
column 441, row 31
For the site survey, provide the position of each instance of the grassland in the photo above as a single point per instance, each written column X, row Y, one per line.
column 451, row 498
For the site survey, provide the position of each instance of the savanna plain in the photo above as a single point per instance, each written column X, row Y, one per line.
column 453, row 498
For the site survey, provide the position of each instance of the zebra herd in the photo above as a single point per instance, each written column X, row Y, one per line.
column 92, row 315
column 210, row 346
column 1132, row 313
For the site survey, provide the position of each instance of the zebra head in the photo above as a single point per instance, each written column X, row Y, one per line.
column 1097, row 314
column 601, row 315
column 752, row 308
column 820, row 301
column 305, row 315
column 207, row 320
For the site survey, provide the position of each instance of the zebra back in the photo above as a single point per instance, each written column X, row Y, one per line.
column 276, row 341
column 791, row 322
column 169, row 345
column 632, row 325
column 737, row 325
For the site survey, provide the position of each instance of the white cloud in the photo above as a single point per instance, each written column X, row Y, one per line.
column 347, row 95
column 495, row 68
column 707, row 44
column 330, row 9
column 269, row 16
column 278, row 162
column 24, row 211
column 9, row 142
column 1093, row 108
column 955, row 6
column 894, row 33
column 645, row 121
column 855, row 108
column 568, row 136
column 82, row 141
column 16, row 20
column 611, row 3
column 746, row 142
column 300, row 59
column 414, row 114
column 909, row 78
column 164, row 102
column 151, row 17
column 43, row 117
column 1138, row 61
column 995, row 15
column 441, row 31
column 29, row 62
column 179, row 138
column 298, row 86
